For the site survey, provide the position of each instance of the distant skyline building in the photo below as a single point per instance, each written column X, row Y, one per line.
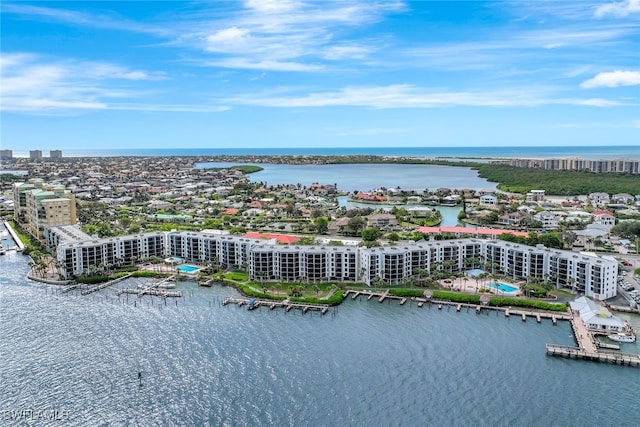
column 55, row 154
column 576, row 164
column 35, row 154
column 6, row 154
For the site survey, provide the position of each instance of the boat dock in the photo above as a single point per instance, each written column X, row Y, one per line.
column 625, row 359
column 589, row 349
column 508, row 311
column 102, row 285
column 271, row 304
column 153, row 290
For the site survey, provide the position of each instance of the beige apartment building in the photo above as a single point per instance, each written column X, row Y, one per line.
column 38, row 205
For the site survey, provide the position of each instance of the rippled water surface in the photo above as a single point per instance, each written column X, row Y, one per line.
column 362, row 364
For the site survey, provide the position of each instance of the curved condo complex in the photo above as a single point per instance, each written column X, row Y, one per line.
column 267, row 261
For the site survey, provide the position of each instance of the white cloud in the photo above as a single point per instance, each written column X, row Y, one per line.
column 346, row 52
column 618, row 9
column 286, row 35
column 35, row 83
column 266, row 65
column 272, row 6
column 220, row 40
column 613, row 79
column 597, row 102
column 83, row 19
column 409, row 96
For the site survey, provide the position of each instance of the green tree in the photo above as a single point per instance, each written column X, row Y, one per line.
column 393, row 237
column 322, row 225
column 371, row 234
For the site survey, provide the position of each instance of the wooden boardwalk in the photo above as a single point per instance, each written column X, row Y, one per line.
column 271, row 304
column 524, row 314
column 103, row 285
column 153, row 289
column 625, row 359
column 587, row 349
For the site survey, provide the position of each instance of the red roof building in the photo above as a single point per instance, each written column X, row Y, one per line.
column 285, row 239
column 474, row 231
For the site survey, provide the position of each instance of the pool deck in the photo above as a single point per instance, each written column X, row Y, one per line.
column 471, row 285
column 192, row 269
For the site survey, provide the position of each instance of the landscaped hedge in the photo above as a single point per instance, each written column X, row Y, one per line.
column 147, row 274
column 250, row 292
column 455, row 297
column 90, row 280
column 407, row 292
column 335, row 299
column 542, row 305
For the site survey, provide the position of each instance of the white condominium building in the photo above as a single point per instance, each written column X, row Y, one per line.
column 390, row 265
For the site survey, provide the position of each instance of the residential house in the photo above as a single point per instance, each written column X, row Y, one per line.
column 599, row 199
column 514, row 218
column 488, row 200
column 604, row 218
column 381, row 220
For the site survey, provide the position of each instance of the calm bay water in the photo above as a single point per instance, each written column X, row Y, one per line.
column 365, row 363
column 366, row 177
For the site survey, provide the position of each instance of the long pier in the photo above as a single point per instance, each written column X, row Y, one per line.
column 508, row 311
column 151, row 291
column 103, row 285
column 271, row 304
column 568, row 352
column 588, row 348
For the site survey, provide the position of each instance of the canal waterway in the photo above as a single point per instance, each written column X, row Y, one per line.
column 449, row 213
column 363, row 363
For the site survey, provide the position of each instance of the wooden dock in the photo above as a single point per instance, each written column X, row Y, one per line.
column 524, row 314
column 577, row 353
column 271, row 304
column 588, row 348
column 153, row 289
column 103, row 285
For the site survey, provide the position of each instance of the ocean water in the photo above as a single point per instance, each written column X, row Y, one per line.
column 587, row 152
column 364, row 363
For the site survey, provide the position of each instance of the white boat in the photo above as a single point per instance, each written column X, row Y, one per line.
column 166, row 285
column 622, row 337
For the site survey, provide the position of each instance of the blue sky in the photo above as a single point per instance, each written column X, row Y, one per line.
column 262, row 73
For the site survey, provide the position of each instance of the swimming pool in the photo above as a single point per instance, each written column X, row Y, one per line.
column 189, row 269
column 503, row 287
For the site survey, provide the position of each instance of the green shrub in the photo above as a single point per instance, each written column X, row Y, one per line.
column 517, row 302
column 90, row 280
column 407, row 292
column 455, row 297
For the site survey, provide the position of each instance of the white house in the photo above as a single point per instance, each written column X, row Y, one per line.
column 548, row 219
column 599, row 199
column 604, row 218
column 488, row 200
column 535, row 196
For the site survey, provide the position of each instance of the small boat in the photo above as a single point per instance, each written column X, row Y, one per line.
column 253, row 304
column 622, row 337
column 166, row 285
